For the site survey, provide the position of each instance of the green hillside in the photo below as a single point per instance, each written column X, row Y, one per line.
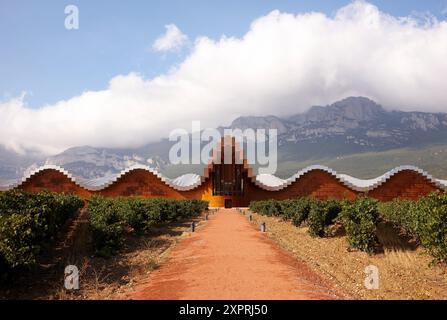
column 432, row 158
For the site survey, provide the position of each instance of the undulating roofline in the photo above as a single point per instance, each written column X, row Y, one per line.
column 273, row 183
column 191, row 181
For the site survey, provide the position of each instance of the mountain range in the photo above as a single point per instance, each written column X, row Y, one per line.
column 355, row 135
column 358, row 123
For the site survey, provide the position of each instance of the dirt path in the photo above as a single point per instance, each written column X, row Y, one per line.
column 229, row 258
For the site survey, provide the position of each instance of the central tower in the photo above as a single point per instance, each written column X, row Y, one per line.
column 228, row 169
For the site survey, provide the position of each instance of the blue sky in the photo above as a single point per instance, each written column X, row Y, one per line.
column 135, row 71
column 39, row 56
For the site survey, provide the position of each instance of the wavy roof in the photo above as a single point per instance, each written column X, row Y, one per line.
column 265, row 181
column 273, row 183
column 182, row 183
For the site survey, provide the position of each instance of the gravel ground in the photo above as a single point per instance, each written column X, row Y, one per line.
column 231, row 259
column 404, row 268
column 100, row 278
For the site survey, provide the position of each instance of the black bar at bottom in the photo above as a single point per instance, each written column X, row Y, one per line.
column 222, row 309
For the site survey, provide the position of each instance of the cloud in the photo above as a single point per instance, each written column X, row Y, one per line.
column 172, row 39
column 282, row 65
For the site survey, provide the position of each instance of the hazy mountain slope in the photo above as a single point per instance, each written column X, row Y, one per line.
column 13, row 164
column 366, row 165
column 91, row 162
column 354, row 126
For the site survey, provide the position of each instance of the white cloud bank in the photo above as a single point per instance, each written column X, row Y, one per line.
column 282, row 65
column 172, row 40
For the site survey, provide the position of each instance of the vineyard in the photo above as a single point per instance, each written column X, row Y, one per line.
column 111, row 218
column 30, row 222
column 424, row 219
column 131, row 231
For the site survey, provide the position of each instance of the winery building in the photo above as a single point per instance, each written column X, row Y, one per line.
column 234, row 184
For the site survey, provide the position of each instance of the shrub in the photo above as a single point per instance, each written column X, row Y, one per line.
column 191, row 208
column 287, row 209
column 425, row 219
column 360, row 220
column 296, row 210
column 107, row 219
column 431, row 224
column 300, row 210
column 401, row 213
column 267, row 207
column 137, row 218
column 321, row 215
column 256, row 206
column 29, row 223
column 19, row 245
column 110, row 218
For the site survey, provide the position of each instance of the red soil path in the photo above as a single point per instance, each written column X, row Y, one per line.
column 229, row 258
